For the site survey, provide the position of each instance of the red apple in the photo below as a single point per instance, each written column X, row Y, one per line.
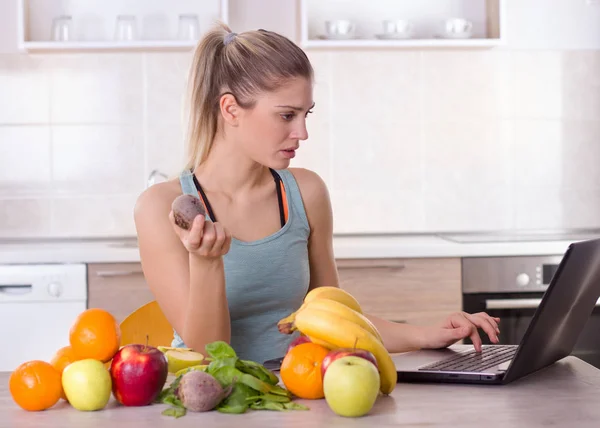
column 138, row 374
column 297, row 341
column 344, row 352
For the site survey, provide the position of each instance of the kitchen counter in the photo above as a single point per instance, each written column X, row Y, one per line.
column 345, row 246
column 564, row 394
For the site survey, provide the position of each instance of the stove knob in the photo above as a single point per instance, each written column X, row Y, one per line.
column 522, row 279
column 55, row 289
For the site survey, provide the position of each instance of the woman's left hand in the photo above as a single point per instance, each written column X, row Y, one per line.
column 458, row 326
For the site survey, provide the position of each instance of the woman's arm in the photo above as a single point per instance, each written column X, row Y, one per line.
column 184, row 269
column 397, row 337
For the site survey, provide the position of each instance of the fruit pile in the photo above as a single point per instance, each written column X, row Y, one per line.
column 93, row 365
column 339, row 356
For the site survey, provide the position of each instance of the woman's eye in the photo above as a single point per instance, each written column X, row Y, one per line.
column 307, row 113
column 287, row 116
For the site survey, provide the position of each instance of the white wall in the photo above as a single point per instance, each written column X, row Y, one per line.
column 408, row 141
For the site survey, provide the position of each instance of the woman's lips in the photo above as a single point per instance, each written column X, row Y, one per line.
column 289, row 153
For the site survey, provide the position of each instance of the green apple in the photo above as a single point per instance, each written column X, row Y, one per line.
column 351, row 386
column 87, row 384
column 179, row 359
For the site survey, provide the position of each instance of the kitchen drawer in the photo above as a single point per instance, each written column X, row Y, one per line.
column 120, row 288
column 415, row 291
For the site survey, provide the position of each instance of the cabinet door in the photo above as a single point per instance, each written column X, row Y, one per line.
column 8, row 26
column 120, row 288
column 414, row 291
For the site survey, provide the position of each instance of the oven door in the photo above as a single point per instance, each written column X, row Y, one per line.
column 516, row 311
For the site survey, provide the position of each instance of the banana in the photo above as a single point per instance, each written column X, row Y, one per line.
column 333, row 293
column 340, row 332
column 344, row 312
column 322, row 343
column 285, row 325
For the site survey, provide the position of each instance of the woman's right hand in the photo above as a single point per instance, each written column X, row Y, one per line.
column 205, row 238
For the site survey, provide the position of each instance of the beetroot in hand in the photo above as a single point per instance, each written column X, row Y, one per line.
column 185, row 209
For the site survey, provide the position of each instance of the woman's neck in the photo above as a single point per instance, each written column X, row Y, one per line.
column 226, row 170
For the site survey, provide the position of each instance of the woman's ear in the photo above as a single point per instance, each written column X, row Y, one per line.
column 229, row 109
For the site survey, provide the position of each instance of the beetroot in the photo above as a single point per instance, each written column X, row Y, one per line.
column 200, row 391
column 185, row 209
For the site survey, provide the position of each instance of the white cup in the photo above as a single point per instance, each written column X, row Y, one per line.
column 399, row 27
column 125, row 28
column 457, row 27
column 340, row 27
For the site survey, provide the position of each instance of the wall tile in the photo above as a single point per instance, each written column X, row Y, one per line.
column 21, row 218
column 470, row 207
column 382, row 158
column 563, row 154
column 377, row 211
column 465, row 154
column 94, row 216
column 97, row 159
column 581, row 85
column 106, row 89
column 24, row 159
column 375, row 87
column 538, row 84
column 166, row 75
column 165, row 148
column 557, row 208
column 24, row 90
column 466, row 85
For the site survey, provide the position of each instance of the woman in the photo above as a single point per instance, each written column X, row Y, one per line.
column 266, row 239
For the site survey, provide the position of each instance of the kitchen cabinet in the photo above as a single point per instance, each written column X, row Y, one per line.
column 119, row 288
column 93, row 26
column 415, row 291
column 8, row 26
column 362, row 23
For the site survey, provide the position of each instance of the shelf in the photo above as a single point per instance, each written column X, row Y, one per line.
column 409, row 43
column 143, row 45
column 93, row 24
column 426, row 17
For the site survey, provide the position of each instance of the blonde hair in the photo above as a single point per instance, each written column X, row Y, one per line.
column 244, row 65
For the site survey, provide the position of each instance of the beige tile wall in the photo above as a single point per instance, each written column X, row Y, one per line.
column 408, row 141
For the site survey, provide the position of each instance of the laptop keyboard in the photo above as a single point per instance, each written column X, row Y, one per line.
column 472, row 361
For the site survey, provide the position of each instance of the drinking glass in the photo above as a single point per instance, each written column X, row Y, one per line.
column 125, row 28
column 62, row 28
column 189, row 27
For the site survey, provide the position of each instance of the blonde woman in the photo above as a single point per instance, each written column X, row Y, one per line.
column 266, row 239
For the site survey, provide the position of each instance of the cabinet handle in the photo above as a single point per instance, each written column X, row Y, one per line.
column 113, row 273
column 375, row 266
column 516, row 303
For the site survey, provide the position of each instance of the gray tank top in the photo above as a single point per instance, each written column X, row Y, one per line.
column 265, row 280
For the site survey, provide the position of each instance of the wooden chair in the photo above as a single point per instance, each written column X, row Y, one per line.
column 147, row 321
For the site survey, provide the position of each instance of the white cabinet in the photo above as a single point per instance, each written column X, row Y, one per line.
column 8, row 26
column 485, row 23
column 93, row 25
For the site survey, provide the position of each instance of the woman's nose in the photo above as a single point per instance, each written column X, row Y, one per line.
column 301, row 133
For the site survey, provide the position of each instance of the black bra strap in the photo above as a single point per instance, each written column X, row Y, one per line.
column 277, row 179
column 211, row 214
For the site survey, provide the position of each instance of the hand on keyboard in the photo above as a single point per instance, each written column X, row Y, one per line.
column 461, row 325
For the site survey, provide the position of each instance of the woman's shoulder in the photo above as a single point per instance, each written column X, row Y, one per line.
column 312, row 186
column 157, row 199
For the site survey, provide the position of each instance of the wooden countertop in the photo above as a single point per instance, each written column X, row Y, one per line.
column 567, row 392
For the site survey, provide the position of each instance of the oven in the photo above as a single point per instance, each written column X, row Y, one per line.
column 511, row 288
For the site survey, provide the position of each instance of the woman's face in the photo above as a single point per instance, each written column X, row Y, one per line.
column 271, row 131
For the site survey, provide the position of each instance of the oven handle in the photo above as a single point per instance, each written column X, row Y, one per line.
column 516, row 303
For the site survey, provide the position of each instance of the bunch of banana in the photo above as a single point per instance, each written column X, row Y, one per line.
column 331, row 317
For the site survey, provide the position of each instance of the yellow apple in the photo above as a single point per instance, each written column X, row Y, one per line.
column 87, row 384
column 351, row 386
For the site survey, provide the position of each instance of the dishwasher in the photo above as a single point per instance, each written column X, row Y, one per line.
column 38, row 304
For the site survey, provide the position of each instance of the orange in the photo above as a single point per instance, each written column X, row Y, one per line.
column 301, row 370
column 35, row 385
column 61, row 359
column 95, row 334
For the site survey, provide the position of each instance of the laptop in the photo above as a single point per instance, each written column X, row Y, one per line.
column 551, row 335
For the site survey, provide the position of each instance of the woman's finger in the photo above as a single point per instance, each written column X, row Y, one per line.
column 208, row 239
column 217, row 247
column 195, row 235
column 485, row 324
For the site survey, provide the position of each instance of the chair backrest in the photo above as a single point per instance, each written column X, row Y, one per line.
column 147, row 321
